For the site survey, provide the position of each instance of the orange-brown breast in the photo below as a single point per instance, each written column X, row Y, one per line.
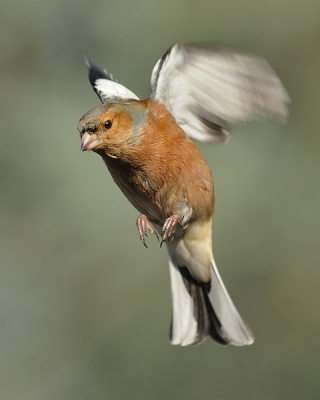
column 164, row 171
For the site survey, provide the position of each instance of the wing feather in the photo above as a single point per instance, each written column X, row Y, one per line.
column 205, row 88
column 106, row 87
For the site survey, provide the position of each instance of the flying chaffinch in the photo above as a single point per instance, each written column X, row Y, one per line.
column 195, row 92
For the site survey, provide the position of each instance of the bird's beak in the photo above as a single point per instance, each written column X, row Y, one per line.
column 89, row 142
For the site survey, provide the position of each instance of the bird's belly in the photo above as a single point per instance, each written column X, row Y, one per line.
column 138, row 195
column 194, row 250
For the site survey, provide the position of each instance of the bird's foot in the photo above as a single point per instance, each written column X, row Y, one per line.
column 169, row 228
column 143, row 224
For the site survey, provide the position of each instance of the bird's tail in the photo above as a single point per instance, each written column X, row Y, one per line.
column 204, row 309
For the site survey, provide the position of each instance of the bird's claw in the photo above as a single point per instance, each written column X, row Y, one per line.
column 143, row 225
column 169, row 228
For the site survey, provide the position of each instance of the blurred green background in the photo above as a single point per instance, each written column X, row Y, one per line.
column 84, row 307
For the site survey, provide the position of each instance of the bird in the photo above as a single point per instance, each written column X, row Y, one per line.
column 196, row 92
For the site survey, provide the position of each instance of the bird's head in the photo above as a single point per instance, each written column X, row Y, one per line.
column 109, row 128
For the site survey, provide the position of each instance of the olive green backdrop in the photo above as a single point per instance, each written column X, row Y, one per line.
column 84, row 307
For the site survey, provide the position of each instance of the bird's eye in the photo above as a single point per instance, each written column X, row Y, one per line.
column 108, row 124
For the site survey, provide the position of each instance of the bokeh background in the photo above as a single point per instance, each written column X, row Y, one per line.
column 84, row 307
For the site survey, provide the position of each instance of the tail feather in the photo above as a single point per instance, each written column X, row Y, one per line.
column 207, row 321
column 204, row 309
column 183, row 323
column 234, row 328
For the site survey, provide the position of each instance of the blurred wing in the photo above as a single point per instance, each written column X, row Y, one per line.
column 205, row 88
column 106, row 87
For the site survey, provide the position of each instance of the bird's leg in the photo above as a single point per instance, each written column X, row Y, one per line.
column 143, row 223
column 169, row 228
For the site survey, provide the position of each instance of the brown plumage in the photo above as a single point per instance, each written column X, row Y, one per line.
column 166, row 178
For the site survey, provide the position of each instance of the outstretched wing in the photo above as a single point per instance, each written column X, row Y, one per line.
column 106, row 87
column 207, row 87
